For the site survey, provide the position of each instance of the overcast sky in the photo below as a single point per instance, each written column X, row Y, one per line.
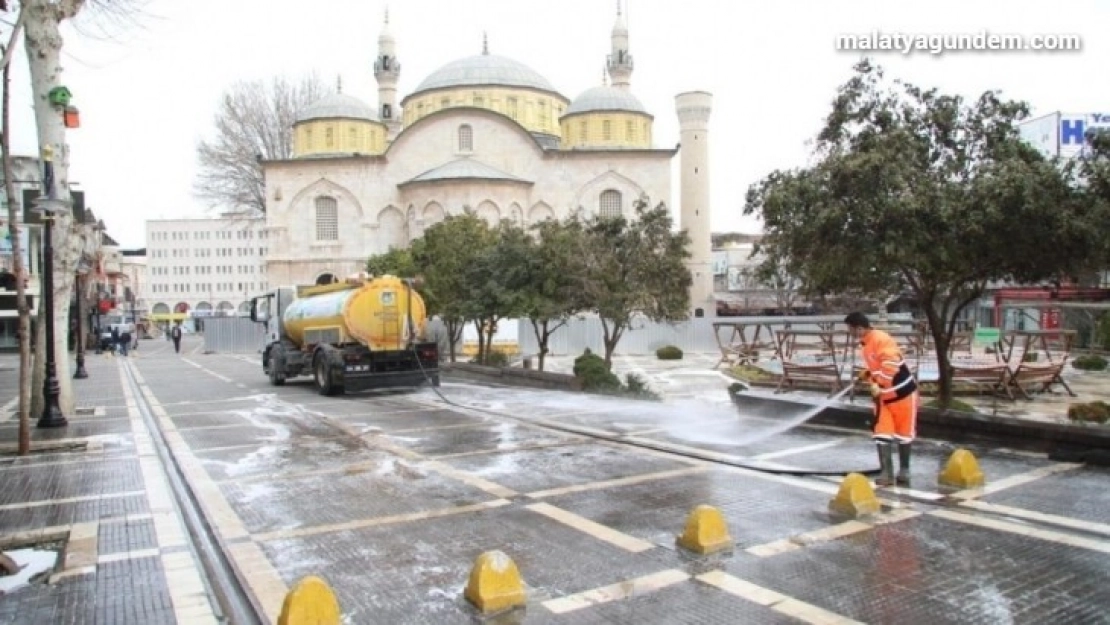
column 148, row 92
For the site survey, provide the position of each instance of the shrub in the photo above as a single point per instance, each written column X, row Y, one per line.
column 637, row 387
column 1089, row 362
column 595, row 376
column 668, row 352
column 1093, row 412
column 493, row 359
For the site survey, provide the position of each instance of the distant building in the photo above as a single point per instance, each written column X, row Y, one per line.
column 196, row 268
column 1063, row 134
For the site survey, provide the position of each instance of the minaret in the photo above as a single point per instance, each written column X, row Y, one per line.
column 693, row 110
column 620, row 60
column 387, row 69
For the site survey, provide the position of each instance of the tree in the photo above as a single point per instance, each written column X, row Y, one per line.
column 634, row 267
column 43, row 43
column 922, row 190
column 20, row 272
column 396, row 262
column 448, row 249
column 554, row 268
column 774, row 272
column 497, row 283
column 254, row 123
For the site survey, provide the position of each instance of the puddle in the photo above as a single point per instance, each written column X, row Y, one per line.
column 35, row 566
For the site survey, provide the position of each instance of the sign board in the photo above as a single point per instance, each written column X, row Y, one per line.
column 986, row 336
column 34, row 217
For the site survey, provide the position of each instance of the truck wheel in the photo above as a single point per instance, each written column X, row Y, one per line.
column 275, row 368
column 322, row 374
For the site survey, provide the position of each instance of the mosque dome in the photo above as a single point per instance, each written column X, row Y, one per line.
column 485, row 70
column 604, row 98
column 337, row 106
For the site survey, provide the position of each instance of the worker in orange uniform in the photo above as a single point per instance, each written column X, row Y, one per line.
column 896, row 397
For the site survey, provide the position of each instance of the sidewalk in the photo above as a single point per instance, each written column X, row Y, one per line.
column 92, row 497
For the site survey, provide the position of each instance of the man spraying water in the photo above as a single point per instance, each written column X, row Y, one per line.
column 896, row 397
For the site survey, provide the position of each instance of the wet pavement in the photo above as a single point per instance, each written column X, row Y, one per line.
column 392, row 496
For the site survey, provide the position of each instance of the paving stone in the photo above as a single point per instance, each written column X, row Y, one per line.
column 281, row 458
column 122, row 537
column 484, row 437
column 1077, row 494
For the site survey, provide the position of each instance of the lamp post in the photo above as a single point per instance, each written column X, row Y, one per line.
column 52, row 416
column 83, row 268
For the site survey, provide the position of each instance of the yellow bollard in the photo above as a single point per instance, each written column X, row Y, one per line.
column 856, row 497
column 495, row 583
column 706, row 531
column 962, row 471
column 311, row 602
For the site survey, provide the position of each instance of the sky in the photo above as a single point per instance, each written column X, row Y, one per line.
column 148, row 87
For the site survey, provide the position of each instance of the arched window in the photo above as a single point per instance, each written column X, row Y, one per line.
column 466, row 138
column 329, row 137
column 327, row 219
column 326, row 278
column 606, row 130
column 610, row 204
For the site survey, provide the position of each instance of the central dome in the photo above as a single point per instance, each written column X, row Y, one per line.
column 337, row 105
column 606, row 99
column 484, row 70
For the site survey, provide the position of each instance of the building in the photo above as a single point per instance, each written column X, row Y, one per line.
column 484, row 133
column 1063, row 134
column 196, row 268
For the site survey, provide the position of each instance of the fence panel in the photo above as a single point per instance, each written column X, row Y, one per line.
column 233, row 334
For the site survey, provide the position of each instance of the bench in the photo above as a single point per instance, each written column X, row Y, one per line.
column 1034, row 373
column 996, row 378
column 817, row 375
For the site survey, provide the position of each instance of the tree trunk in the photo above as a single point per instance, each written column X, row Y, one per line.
column 454, row 333
column 612, row 336
column 15, row 216
column 44, row 45
column 941, row 341
column 543, row 332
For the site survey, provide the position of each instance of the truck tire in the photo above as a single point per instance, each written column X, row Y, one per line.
column 322, row 375
column 275, row 366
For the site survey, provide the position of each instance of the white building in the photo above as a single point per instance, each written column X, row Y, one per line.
column 1063, row 134
column 197, row 268
column 484, row 133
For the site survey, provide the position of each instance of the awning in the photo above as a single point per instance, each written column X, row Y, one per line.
column 168, row 316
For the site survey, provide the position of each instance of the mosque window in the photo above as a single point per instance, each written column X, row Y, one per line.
column 352, row 139
column 511, row 108
column 630, row 130
column 329, row 137
column 610, row 205
column 327, row 219
column 582, row 131
column 466, row 138
column 445, row 103
column 478, row 100
column 606, row 130
column 308, row 138
column 543, row 112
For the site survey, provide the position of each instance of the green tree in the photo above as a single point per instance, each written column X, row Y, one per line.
column 634, row 267
column 396, row 262
column 921, row 190
column 554, row 268
column 447, row 250
column 497, row 283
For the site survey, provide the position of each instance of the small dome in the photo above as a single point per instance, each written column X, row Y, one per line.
column 485, row 69
column 337, row 105
column 605, row 99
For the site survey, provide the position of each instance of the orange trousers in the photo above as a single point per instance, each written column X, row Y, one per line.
column 897, row 421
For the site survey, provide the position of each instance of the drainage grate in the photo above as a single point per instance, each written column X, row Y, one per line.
column 34, row 564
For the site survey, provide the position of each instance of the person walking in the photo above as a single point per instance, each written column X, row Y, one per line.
column 175, row 334
column 896, row 396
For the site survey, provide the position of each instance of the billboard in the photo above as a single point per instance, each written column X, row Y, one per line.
column 1063, row 134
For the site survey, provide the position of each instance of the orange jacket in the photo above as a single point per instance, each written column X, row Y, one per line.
column 883, row 359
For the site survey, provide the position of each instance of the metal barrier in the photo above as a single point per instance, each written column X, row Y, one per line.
column 233, row 334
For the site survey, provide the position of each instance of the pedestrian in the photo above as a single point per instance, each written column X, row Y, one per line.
column 175, row 334
column 124, row 341
column 896, row 396
column 115, row 340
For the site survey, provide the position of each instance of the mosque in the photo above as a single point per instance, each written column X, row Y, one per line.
column 485, row 133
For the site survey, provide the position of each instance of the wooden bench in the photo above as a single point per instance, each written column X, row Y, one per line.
column 1035, row 373
column 996, row 378
column 816, row 375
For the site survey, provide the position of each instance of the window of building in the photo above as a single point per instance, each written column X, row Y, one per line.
column 445, row 103
column 329, row 137
column 582, row 131
column 606, row 130
column 542, row 106
column 352, row 139
column 327, row 219
column 610, row 204
column 630, row 130
column 478, row 101
column 466, row 138
column 511, row 108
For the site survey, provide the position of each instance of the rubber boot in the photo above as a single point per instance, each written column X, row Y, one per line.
column 886, row 465
column 903, row 478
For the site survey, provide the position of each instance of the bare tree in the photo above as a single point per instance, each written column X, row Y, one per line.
column 254, row 123
column 14, row 219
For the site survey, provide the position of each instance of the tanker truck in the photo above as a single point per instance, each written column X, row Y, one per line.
column 354, row 335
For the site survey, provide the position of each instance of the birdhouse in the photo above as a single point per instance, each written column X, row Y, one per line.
column 71, row 117
column 60, row 96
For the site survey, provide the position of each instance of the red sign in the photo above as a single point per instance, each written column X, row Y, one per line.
column 181, row 307
column 104, row 305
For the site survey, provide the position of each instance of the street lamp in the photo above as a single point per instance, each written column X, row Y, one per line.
column 52, row 416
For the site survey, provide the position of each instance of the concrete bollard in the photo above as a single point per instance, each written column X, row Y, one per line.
column 495, row 584
column 962, row 471
column 706, row 531
column 855, row 498
column 310, row 602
